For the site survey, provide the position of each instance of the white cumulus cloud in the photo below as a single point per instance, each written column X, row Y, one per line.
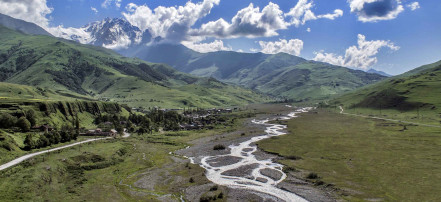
column 361, row 56
column 293, row 46
column 168, row 22
column 34, row 11
column 301, row 13
column 376, row 10
column 216, row 45
column 253, row 22
column 107, row 3
column 414, row 5
column 94, row 9
column 249, row 22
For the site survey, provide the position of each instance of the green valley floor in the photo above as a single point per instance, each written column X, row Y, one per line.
column 361, row 158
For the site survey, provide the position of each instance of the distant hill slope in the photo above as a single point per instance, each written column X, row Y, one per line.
column 281, row 75
column 11, row 91
column 373, row 71
column 22, row 26
column 419, row 88
column 76, row 70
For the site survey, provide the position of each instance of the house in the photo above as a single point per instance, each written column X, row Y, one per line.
column 193, row 126
column 44, row 128
column 99, row 132
column 113, row 133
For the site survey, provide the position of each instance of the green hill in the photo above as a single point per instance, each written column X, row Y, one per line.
column 83, row 71
column 412, row 95
column 280, row 75
column 22, row 26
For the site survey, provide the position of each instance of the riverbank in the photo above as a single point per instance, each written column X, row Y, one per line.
column 361, row 158
column 235, row 167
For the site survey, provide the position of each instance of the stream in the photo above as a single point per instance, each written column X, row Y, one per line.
column 242, row 170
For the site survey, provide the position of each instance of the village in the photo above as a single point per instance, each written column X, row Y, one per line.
column 190, row 120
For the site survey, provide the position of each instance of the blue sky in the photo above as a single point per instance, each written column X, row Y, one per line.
column 396, row 35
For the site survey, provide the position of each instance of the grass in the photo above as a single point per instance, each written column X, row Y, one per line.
column 364, row 158
column 15, row 142
column 68, row 175
column 107, row 170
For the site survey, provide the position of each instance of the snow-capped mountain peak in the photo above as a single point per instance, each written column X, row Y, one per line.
column 113, row 33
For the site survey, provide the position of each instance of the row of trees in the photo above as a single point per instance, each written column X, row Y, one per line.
column 24, row 122
column 146, row 123
column 66, row 134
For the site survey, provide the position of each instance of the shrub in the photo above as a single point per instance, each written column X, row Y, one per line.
column 221, row 195
column 7, row 121
column 205, row 199
column 214, row 188
column 30, row 115
column 294, row 157
column 287, row 169
column 312, row 176
column 23, row 124
column 219, row 147
column 29, row 142
column 191, row 180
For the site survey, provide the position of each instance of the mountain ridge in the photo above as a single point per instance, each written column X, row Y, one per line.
column 22, row 26
column 416, row 89
column 280, row 75
column 272, row 74
column 83, row 70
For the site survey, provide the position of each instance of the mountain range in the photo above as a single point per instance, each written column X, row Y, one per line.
column 282, row 75
column 96, row 72
column 76, row 70
column 279, row 75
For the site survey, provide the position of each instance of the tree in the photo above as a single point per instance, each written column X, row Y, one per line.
column 7, row 121
column 141, row 131
column 29, row 142
column 56, row 137
column 43, row 141
column 120, row 129
column 30, row 115
column 23, row 124
column 66, row 133
column 77, row 127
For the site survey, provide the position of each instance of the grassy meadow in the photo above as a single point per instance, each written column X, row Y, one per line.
column 363, row 159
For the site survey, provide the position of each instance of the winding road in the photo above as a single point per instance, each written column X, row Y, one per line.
column 241, row 169
column 28, row 156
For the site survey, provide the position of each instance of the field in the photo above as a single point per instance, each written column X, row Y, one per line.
column 363, row 159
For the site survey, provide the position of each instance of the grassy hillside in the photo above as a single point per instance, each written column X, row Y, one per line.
column 312, row 81
column 414, row 95
column 52, row 108
column 281, row 74
column 48, row 108
column 83, row 71
column 22, row 26
column 11, row 91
